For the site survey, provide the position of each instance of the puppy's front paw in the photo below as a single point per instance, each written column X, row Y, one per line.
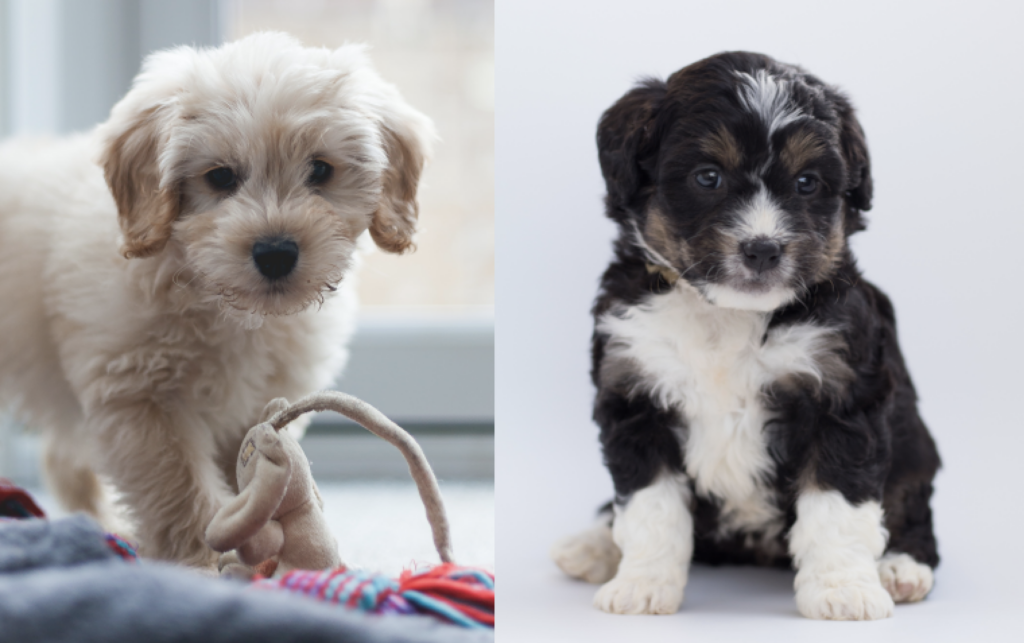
column 591, row 556
column 904, row 578
column 852, row 601
column 231, row 567
column 229, row 557
column 641, row 595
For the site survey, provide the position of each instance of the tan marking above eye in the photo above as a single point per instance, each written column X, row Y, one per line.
column 800, row 149
column 722, row 146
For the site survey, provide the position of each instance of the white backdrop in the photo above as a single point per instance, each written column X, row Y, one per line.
column 939, row 92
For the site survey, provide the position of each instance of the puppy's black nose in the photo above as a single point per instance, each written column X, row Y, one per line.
column 276, row 257
column 761, row 255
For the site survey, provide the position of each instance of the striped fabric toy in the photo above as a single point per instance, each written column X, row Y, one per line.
column 123, row 548
column 460, row 595
column 16, row 503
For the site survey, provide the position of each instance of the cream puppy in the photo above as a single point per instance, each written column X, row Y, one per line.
column 165, row 275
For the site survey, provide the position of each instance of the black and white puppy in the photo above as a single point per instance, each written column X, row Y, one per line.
column 753, row 403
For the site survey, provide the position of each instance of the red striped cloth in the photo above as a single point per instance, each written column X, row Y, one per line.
column 459, row 595
column 16, row 503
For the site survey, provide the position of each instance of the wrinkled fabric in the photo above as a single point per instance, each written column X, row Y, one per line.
column 59, row 581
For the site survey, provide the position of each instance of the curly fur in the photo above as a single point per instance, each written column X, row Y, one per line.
column 136, row 330
column 771, row 388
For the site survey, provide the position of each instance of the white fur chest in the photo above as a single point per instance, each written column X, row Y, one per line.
column 712, row 364
column 207, row 366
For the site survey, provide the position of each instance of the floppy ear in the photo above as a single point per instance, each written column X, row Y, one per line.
column 858, row 163
column 145, row 209
column 625, row 139
column 407, row 136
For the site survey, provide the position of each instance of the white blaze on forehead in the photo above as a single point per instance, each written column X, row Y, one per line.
column 761, row 216
column 769, row 98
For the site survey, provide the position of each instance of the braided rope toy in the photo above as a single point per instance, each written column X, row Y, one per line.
column 278, row 514
column 460, row 595
column 377, row 423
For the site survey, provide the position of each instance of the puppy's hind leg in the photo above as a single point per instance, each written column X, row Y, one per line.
column 906, row 579
column 73, row 482
column 590, row 555
column 77, row 487
column 912, row 554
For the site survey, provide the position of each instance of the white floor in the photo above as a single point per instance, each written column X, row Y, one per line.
column 382, row 527
column 538, row 604
column 978, row 596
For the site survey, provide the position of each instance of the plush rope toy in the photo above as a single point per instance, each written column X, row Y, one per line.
column 278, row 513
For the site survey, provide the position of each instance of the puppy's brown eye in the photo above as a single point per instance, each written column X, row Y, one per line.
column 222, row 178
column 806, row 184
column 710, row 179
column 320, row 172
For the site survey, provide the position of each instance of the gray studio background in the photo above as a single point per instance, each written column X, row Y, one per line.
column 938, row 87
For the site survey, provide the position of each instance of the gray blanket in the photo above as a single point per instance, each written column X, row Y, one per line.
column 60, row 582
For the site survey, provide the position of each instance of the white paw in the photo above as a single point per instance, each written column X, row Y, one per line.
column 855, row 600
column 632, row 595
column 591, row 555
column 904, row 578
